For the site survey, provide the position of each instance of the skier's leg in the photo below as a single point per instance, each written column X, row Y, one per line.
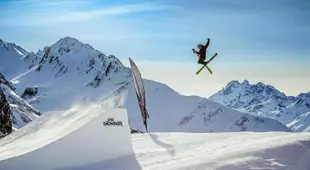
column 201, row 62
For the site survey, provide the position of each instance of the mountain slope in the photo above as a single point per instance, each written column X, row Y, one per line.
column 12, row 59
column 171, row 112
column 301, row 123
column 70, row 55
column 5, row 116
column 19, row 112
column 69, row 69
column 70, row 73
column 263, row 100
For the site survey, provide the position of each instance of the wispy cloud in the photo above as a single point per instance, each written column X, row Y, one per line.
column 70, row 11
column 111, row 11
column 52, row 3
column 255, row 40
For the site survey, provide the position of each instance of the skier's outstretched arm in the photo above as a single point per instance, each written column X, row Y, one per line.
column 207, row 44
column 194, row 51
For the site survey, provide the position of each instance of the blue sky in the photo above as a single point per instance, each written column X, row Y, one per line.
column 265, row 34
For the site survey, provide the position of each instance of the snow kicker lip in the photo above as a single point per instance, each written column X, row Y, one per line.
column 112, row 122
column 82, row 141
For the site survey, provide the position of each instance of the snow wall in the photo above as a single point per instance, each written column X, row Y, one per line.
column 105, row 137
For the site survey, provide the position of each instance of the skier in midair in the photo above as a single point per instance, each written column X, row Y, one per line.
column 202, row 53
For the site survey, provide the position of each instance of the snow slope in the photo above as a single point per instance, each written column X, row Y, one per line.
column 171, row 112
column 64, row 139
column 301, row 123
column 223, row 151
column 22, row 113
column 76, row 140
column 263, row 100
column 183, row 151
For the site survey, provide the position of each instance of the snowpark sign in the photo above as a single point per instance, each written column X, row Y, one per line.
column 140, row 92
column 112, row 122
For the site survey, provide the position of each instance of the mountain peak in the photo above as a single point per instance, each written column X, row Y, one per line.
column 68, row 40
column 237, row 83
column 68, row 44
column 233, row 83
column 263, row 99
column 69, row 56
column 304, row 95
column 245, row 82
column 9, row 47
column 244, row 94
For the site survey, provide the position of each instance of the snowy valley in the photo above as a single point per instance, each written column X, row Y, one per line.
column 62, row 94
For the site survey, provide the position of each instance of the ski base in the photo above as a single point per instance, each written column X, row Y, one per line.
column 206, row 66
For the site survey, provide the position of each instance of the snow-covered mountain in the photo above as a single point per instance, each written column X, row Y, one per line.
column 69, row 73
column 264, row 100
column 68, row 69
column 70, row 56
column 14, row 111
column 12, row 59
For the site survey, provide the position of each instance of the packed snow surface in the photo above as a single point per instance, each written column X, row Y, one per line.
column 223, row 151
column 214, row 151
column 77, row 140
column 72, row 138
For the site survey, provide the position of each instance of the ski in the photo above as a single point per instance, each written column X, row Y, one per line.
column 207, row 67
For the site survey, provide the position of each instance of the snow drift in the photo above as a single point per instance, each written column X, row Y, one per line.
column 78, row 137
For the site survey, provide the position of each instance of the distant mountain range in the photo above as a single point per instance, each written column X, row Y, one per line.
column 266, row 101
column 70, row 74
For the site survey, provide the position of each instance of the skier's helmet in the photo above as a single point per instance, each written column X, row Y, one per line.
column 199, row 46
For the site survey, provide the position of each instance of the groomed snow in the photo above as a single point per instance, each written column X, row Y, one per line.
column 211, row 151
column 223, row 151
column 77, row 140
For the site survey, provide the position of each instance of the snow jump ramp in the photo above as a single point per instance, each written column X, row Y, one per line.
column 105, row 137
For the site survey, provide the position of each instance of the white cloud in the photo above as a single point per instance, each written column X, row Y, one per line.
column 63, row 12
column 49, row 3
